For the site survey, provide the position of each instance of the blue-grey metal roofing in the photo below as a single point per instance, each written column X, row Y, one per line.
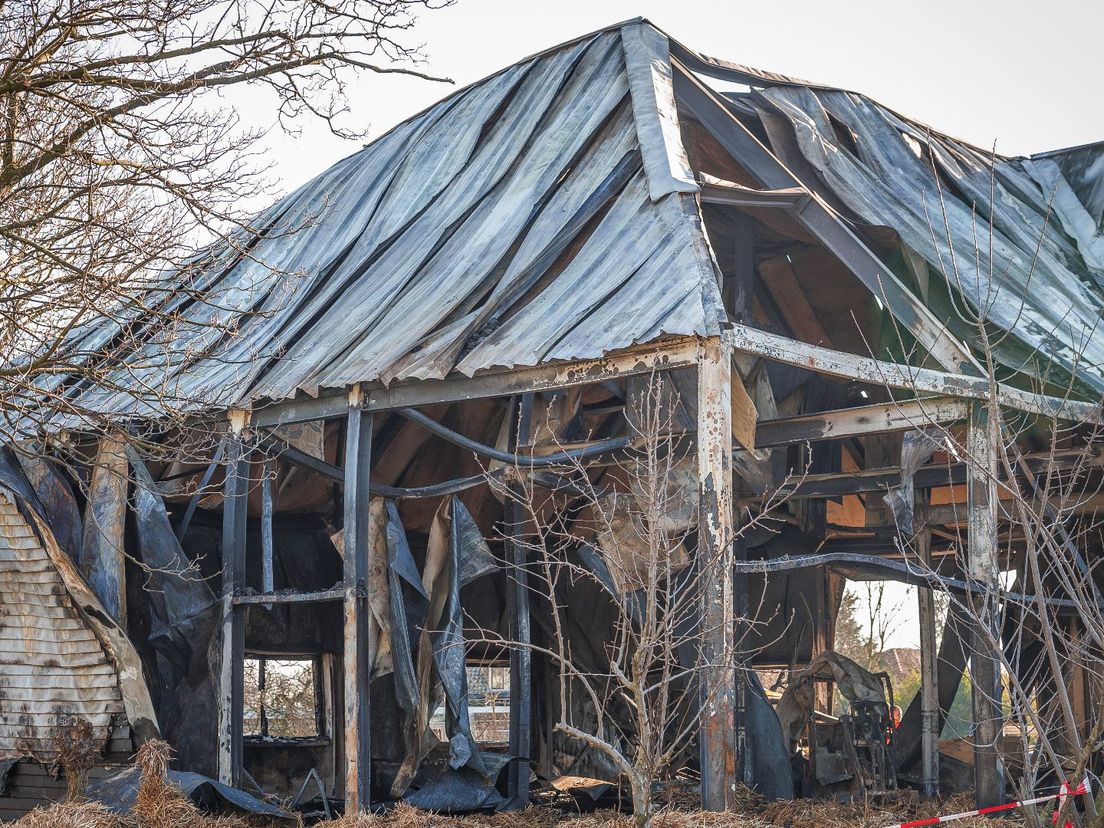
column 1021, row 239
column 547, row 213
column 457, row 241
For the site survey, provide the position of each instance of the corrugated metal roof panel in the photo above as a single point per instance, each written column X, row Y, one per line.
column 1010, row 235
column 548, row 213
column 440, row 230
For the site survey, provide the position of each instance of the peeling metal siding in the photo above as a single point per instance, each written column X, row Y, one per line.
column 412, row 266
column 52, row 666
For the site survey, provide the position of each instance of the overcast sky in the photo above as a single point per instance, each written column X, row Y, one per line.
column 1026, row 75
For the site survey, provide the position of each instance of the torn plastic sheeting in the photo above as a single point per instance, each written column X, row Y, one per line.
column 183, row 606
column 463, row 789
column 456, row 555
column 768, row 771
column 448, row 643
column 184, row 614
column 12, row 477
column 55, row 496
column 409, row 603
column 119, row 791
column 916, row 447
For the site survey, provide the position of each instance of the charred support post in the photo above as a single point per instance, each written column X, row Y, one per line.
column 517, row 609
column 267, row 508
column 715, row 561
column 231, row 669
column 742, row 607
column 358, row 463
column 929, row 667
column 981, row 493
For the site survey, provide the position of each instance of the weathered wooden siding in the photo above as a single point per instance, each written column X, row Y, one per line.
column 52, row 666
column 30, row 784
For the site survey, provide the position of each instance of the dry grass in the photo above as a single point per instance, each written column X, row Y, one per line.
column 159, row 804
column 751, row 812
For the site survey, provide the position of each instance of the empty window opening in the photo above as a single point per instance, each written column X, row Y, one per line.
column 281, row 698
column 488, row 705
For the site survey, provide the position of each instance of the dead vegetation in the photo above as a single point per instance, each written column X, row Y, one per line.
column 751, row 812
column 159, row 804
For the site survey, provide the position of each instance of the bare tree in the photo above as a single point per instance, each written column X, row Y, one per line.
column 1032, row 590
column 632, row 687
column 119, row 158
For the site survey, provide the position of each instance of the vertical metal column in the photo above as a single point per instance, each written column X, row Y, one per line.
column 981, row 494
column 358, row 747
column 232, row 663
column 715, row 559
column 929, row 662
column 517, row 610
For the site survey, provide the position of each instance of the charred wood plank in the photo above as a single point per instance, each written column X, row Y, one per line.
column 641, row 359
column 878, row 418
column 892, row 375
column 981, row 493
column 519, row 623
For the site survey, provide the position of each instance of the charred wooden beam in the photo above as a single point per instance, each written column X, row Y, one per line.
column 878, row 418
column 739, row 288
column 892, row 375
column 519, row 623
column 268, row 474
column 929, row 663
column 981, row 492
column 715, row 561
column 358, row 464
column 204, row 482
column 231, row 670
column 731, row 194
column 290, row 597
column 871, row 481
column 642, row 359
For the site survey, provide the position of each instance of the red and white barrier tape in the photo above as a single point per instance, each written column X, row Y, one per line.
column 1063, row 792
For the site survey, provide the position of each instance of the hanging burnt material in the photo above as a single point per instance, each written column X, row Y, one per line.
column 56, row 497
column 183, row 615
column 102, row 556
column 427, row 611
column 409, row 603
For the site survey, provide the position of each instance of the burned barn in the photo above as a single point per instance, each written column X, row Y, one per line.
column 277, row 532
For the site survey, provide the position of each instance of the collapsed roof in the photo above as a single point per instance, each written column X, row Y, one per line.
column 551, row 212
